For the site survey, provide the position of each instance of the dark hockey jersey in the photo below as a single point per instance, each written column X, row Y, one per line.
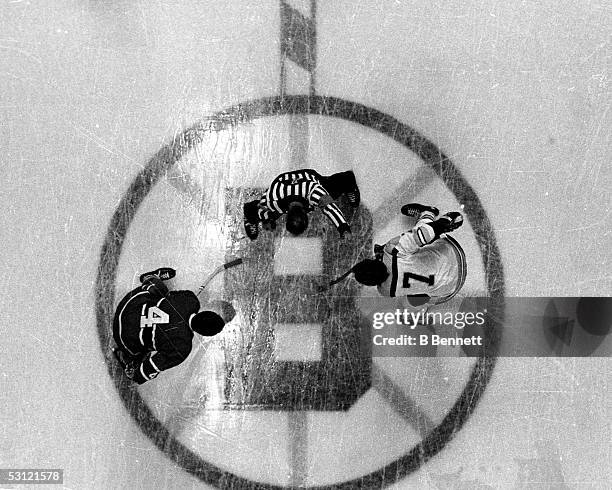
column 154, row 329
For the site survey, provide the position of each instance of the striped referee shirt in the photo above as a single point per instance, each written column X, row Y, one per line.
column 303, row 184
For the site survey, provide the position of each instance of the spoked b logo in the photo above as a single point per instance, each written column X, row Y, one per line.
column 295, row 362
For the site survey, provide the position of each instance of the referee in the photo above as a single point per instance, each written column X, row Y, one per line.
column 295, row 194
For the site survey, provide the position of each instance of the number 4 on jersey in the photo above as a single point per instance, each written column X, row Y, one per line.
column 409, row 275
column 152, row 316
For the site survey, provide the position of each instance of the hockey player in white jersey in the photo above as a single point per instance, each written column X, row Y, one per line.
column 425, row 263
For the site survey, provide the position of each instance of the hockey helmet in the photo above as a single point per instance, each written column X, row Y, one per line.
column 370, row 272
column 297, row 218
column 207, row 323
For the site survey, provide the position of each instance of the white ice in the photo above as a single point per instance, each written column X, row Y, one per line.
column 516, row 93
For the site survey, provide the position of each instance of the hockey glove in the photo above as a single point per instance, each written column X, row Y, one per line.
column 379, row 250
column 128, row 363
column 155, row 286
column 130, row 371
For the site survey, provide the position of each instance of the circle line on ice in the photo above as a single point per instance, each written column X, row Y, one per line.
column 357, row 113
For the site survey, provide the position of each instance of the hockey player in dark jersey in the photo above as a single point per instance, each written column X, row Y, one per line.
column 295, row 194
column 153, row 327
column 424, row 264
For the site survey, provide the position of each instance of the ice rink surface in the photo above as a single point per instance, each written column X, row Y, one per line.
column 132, row 131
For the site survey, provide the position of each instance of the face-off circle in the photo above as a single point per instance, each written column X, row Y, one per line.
column 356, row 113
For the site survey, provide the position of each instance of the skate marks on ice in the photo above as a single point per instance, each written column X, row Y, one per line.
column 270, row 366
column 434, row 436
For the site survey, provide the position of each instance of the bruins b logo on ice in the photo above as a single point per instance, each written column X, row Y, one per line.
column 271, row 371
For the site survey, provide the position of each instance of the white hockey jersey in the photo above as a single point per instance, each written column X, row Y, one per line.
column 437, row 269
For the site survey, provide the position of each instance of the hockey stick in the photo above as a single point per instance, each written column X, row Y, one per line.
column 378, row 252
column 221, row 268
column 322, row 289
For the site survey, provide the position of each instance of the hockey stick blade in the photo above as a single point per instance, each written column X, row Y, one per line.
column 233, row 263
column 227, row 265
column 323, row 288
